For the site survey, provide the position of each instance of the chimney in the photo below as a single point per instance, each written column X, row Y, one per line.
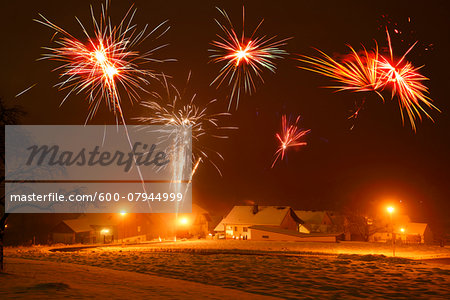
column 255, row 209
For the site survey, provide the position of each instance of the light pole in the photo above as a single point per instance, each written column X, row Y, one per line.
column 182, row 226
column 122, row 214
column 104, row 232
column 402, row 230
column 390, row 210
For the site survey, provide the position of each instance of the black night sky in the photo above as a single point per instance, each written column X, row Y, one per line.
column 379, row 160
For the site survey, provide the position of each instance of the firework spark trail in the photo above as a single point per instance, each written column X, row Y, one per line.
column 25, row 90
column 373, row 72
column 184, row 114
column 243, row 58
column 358, row 72
column 104, row 63
column 358, row 107
column 290, row 136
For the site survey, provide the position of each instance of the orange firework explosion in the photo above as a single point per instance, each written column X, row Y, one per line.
column 405, row 82
column 104, row 62
column 290, row 136
column 243, row 57
column 371, row 71
column 357, row 72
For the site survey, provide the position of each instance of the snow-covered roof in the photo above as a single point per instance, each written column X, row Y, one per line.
column 311, row 216
column 197, row 209
column 78, row 225
column 416, row 228
column 265, row 215
column 85, row 223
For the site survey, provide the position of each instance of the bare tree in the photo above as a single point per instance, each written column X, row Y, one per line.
column 9, row 115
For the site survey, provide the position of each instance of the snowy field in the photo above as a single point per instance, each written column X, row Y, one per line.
column 287, row 270
column 32, row 279
column 239, row 246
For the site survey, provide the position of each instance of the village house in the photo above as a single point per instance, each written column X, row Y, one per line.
column 109, row 228
column 266, row 223
column 89, row 229
column 316, row 221
column 132, row 228
column 196, row 224
column 409, row 233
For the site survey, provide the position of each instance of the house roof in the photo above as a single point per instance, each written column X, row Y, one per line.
column 416, row 228
column 311, row 216
column 197, row 209
column 336, row 218
column 78, row 225
column 266, row 215
column 85, row 223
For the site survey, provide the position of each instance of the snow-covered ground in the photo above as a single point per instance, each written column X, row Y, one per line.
column 287, row 270
column 50, row 280
column 412, row 251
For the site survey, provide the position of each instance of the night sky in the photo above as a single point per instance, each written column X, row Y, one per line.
column 379, row 161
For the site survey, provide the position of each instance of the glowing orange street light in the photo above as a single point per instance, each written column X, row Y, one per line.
column 104, row 231
column 123, row 213
column 402, row 230
column 183, row 221
column 390, row 210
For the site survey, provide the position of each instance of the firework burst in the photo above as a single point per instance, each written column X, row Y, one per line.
column 406, row 83
column 181, row 111
column 243, row 58
column 105, row 61
column 290, row 136
column 373, row 72
column 357, row 72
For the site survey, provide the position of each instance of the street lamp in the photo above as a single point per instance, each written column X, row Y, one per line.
column 122, row 214
column 181, row 226
column 390, row 210
column 104, row 231
column 183, row 221
column 403, row 230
